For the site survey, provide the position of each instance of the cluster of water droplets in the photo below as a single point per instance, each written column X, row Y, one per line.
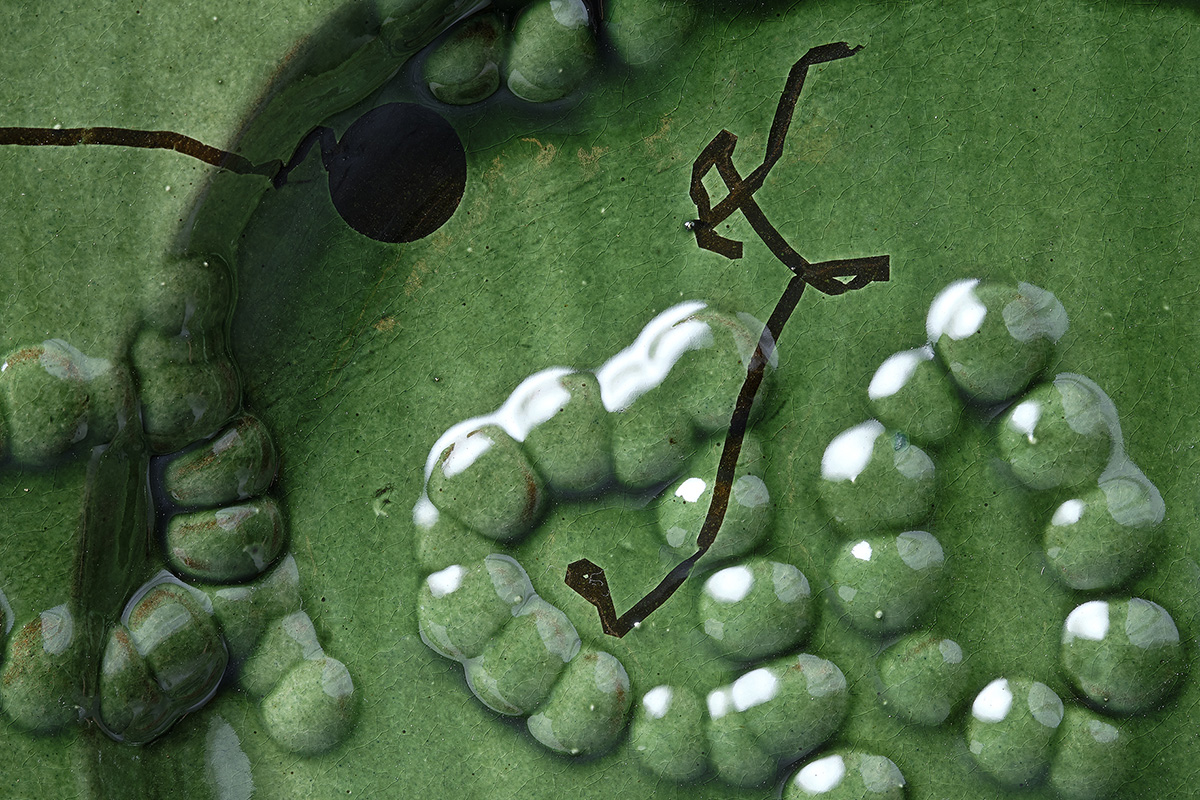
column 988, row 345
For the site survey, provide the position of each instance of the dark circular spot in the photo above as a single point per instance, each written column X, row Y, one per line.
column 398, row 173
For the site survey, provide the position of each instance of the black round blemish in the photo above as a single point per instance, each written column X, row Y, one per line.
column 398, row 173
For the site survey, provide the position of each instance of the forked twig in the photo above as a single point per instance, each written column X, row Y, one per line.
column 588, row 578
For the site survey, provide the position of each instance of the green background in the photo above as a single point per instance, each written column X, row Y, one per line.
column 1050, row 142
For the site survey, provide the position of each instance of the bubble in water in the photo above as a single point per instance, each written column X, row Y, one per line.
column 1123, row 655
column 883, row 584
column 994, row 339
column 1092, row 757
column 1105, row 536
column 924, row 678
column 872, row 478
column 484, row 480
column 911, row 393
column 1012, row 729
column 847, row 775
column 1059, row 435
column 519, row 665
column 460, row 608
column 755, row 609
column 588, row 707
column 668, row 734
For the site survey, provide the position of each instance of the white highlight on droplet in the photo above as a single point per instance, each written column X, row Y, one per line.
column 1068, row 513
column 657, row 701
column 994, row 702
column 58, row 629
column 645, row 364
column 446, row 581
column 1024, row 419
column 691, row 489
column 1088, row 621
column 718, row 701
column 465, row 452
column 535, row 400
column 896, row 371
column 822, row 775
column 862, row 550
column 956, row 312
column 730, row 585
column 850, row 451
column 754, row 688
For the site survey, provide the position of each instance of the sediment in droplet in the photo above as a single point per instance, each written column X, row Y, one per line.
column 238, row 463
column 226, row 545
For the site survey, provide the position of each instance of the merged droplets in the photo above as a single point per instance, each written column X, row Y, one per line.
column 547, row 55
column 773, row 715
column 988, row 347
column 633, row 424
column 523, row 657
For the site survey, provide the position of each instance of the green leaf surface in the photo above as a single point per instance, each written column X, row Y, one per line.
column 1052, row 143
